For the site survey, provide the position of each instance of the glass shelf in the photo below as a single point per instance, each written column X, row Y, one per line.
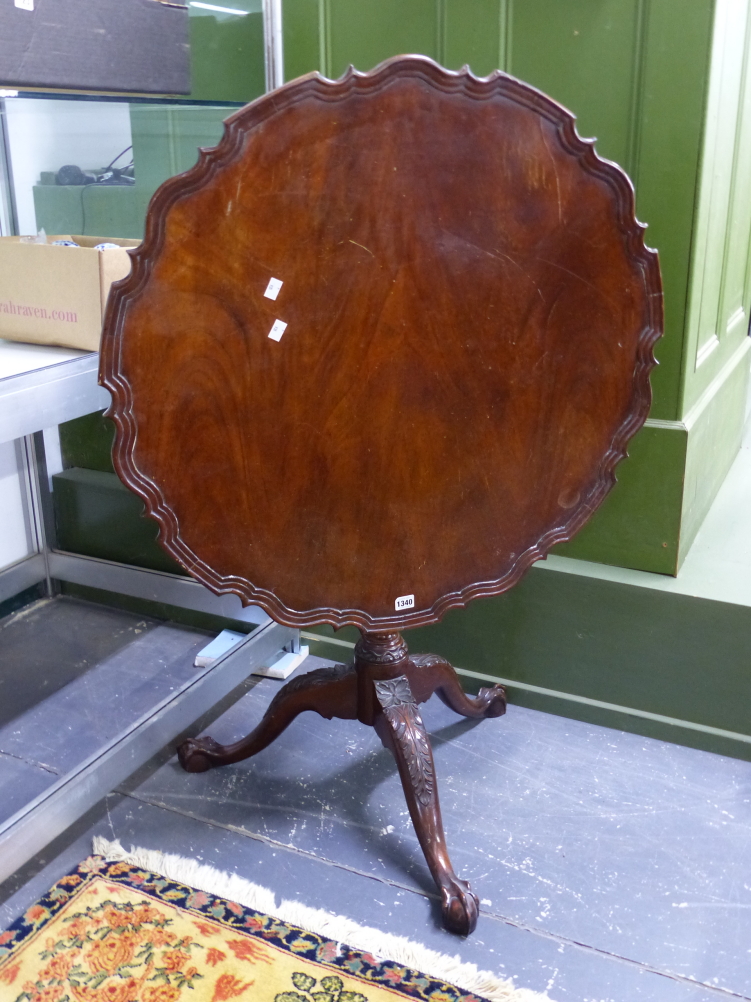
column 42, row 132
column 96, row 140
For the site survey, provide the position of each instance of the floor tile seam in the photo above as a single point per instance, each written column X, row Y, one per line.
column 31, row 762
column 301, row 813
column 274, row 844
column 494, row 916
column 646, row 968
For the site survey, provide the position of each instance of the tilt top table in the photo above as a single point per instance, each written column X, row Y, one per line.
column 380, row 349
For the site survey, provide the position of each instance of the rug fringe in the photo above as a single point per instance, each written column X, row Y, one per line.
column 336, row 927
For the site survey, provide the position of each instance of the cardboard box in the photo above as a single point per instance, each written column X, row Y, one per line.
column 57, row 295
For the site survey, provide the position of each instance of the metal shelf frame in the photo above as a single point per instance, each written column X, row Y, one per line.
column 56, row 808
column 31, row 405
column 42, row 399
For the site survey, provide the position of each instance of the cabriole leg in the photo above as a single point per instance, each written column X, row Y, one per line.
column 332, row 692
column 402, row 731
column 432, row 673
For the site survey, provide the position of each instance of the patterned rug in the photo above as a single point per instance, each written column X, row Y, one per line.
column 115, row 930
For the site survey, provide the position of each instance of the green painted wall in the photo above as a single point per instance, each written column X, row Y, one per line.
column 87, row 443
column 88, row 504
column 166, row 140
column 714, row 439
column 720, row 287
column 116, row 211
column 639, row 524
column 227, row 53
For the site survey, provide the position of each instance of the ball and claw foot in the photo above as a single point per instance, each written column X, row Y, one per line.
column 199, row 754
column 494, row 699
column 459, row 907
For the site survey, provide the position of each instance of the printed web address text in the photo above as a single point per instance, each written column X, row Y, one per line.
column 37, row 312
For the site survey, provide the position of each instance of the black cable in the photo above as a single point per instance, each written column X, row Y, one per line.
column 100, row 184
column 118, row 157
column 94, row 184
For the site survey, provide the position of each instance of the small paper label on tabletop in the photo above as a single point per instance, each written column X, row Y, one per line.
column 404, row 602
column 272, row 289
column 277, row 330
column 25, row 4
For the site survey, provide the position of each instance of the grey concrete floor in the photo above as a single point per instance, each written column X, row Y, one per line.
column 611, row 867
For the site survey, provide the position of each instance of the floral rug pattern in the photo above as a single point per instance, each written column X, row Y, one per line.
column 112, row 932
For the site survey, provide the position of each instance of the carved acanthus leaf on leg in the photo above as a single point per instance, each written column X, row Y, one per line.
column 408, row 729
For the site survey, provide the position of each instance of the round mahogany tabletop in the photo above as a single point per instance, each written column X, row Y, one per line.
column 383, row 346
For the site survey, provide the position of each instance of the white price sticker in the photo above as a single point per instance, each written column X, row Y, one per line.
column 272, row 289
column 277, row 330
column 404, row 602
column 25, row 4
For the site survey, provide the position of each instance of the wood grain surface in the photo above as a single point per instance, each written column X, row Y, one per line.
column 470, row 314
